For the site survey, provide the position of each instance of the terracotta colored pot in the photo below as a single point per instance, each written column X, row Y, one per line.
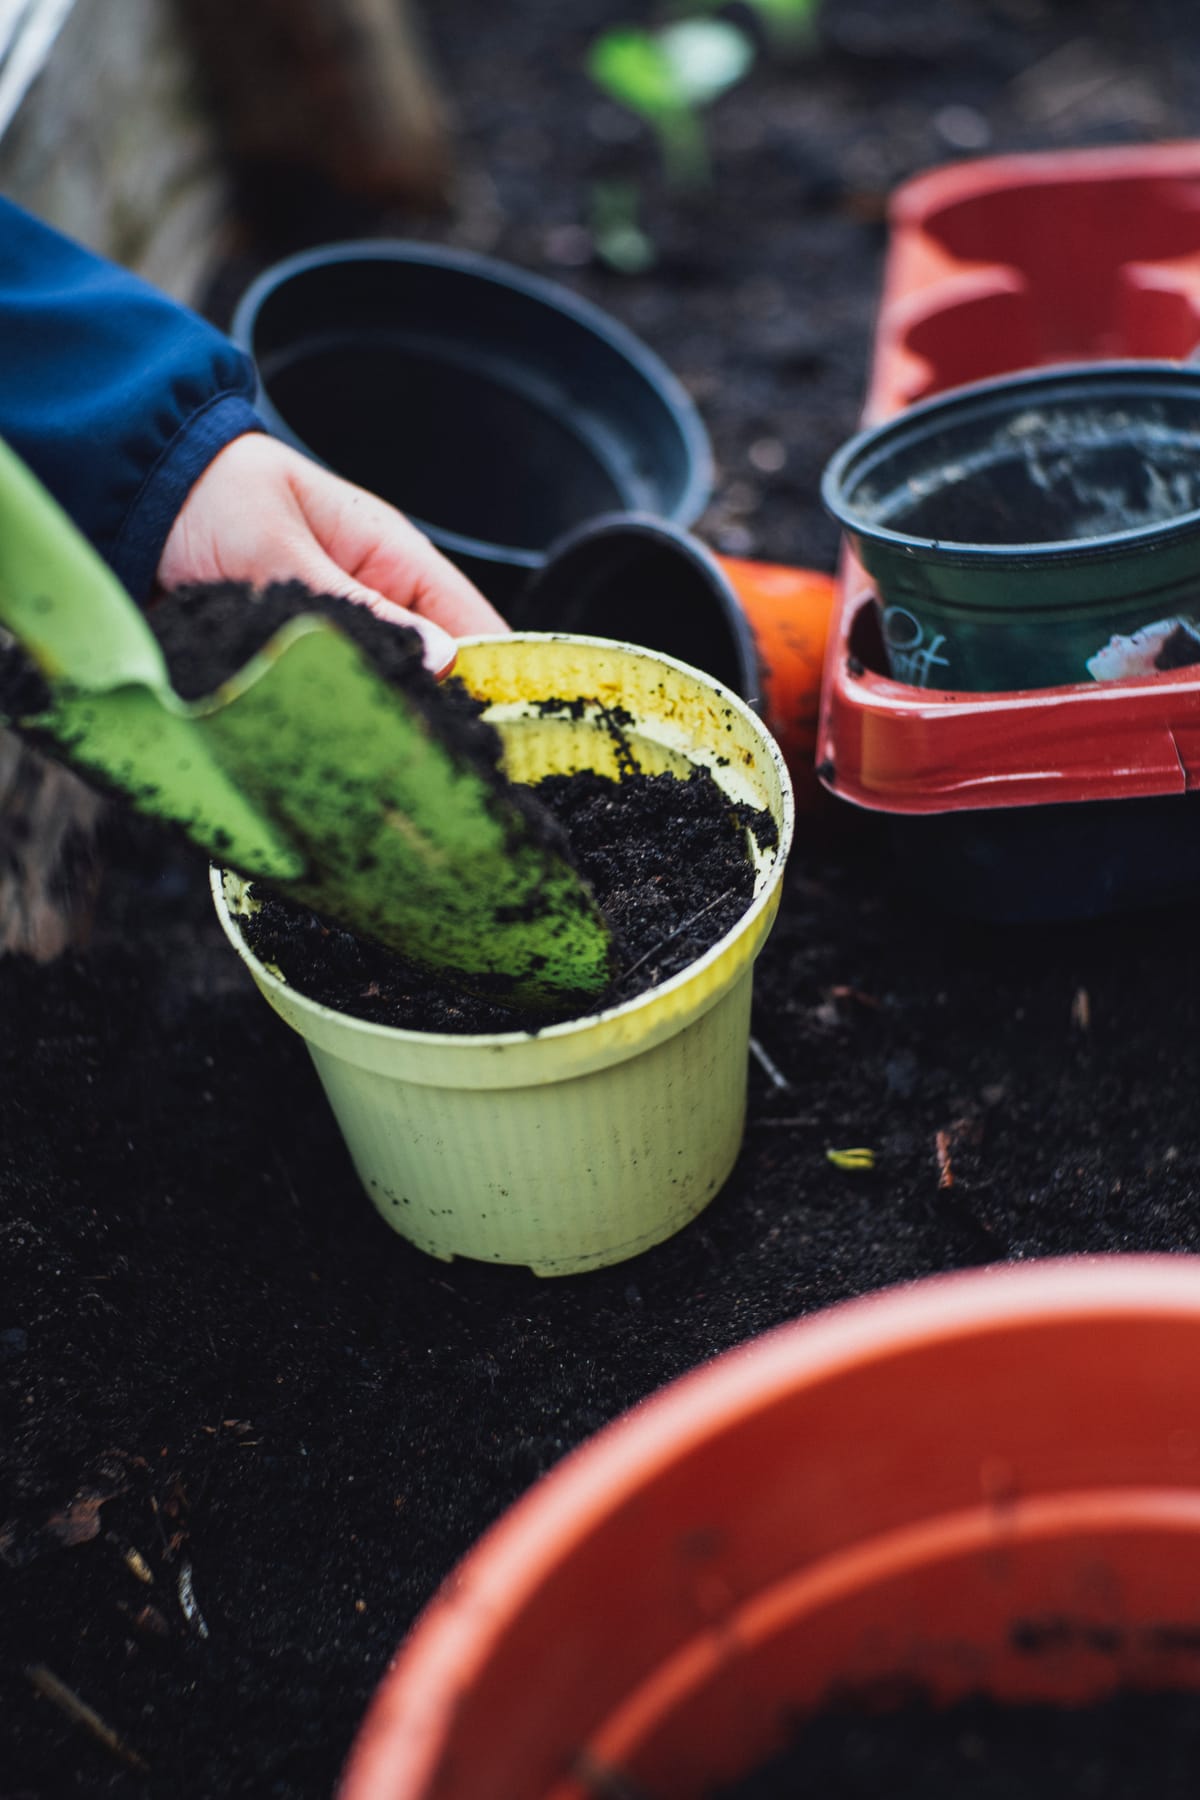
column 983, row 1482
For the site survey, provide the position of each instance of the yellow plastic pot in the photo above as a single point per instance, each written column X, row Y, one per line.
column 585, row 1143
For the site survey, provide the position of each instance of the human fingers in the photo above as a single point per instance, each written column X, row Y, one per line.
column 322, row 574
column 388, row 554
column 246, row 520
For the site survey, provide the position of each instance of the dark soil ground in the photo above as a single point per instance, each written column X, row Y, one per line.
column 246, row 1430
column 991, row 1752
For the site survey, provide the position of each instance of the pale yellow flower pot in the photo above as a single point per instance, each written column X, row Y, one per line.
column 585, row 1143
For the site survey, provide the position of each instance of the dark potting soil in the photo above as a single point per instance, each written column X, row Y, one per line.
column 218, row 1367
column 209, row 632
column 665, row 858
column 1123, row 1748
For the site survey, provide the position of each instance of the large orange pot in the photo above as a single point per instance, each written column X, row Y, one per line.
column 982, row 1482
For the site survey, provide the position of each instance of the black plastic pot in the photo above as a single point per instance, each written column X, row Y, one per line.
column 646, row 582
column 498, row 410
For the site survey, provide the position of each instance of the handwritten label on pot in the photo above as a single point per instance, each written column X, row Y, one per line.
column 911, row 654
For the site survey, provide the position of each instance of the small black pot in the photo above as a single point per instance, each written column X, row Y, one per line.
column 497, row 410
column 646, row 582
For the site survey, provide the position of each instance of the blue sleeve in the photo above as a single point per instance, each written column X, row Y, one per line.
column 117, row 398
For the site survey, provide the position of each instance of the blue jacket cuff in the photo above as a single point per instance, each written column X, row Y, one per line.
column 144, row 530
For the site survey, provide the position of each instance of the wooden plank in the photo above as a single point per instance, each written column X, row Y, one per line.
column 111, row 142
column 340, row 91
column 49, row 869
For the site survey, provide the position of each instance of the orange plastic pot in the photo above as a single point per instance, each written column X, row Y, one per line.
column 986, row 1482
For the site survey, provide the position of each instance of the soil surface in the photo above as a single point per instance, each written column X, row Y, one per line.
column 210, row 631
column 666, row 860
column 244, row 1429
column 991, row 1752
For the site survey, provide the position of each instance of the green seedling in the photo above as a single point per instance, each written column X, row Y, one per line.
column 790, row 26
column 304, row 770
column 615, row 228
column 667, row 77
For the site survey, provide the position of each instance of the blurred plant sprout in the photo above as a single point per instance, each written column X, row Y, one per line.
column 667, row 76
column 616, row 234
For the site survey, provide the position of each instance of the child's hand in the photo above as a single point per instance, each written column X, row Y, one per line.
column 261, row 513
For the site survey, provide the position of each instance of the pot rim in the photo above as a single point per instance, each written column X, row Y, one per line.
column 488, row 270
column 401, row 1740
column 762, row 903
column 1041, row 382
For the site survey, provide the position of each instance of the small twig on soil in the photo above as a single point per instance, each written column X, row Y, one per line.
column 770, row 1067
column 187, row 1602
column 68, row 1702
column 657, row 949
column 945, row 1167
column 288, row 1183
column 137, row 1565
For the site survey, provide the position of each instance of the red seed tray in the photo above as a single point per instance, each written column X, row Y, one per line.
column 994, row 265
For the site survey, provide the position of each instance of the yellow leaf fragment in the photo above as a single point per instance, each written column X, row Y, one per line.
column 851, row 1159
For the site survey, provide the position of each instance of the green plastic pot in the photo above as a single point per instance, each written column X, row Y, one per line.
column 1032, row 531
column 587, row 1142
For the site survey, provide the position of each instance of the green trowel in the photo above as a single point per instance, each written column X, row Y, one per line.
column 305, row 770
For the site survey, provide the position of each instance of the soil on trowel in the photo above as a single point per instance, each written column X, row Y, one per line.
column 208, row 632
column 1122, row 1748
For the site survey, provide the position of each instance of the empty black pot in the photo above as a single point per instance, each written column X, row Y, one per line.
column 496, row 409
column 757, row 627
column 645, row 582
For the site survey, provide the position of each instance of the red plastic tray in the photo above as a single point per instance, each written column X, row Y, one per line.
column 995, row 265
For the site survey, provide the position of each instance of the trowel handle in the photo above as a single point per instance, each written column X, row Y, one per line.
column 60, row 601
column 788, row 611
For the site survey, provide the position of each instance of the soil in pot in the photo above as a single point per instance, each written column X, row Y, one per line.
column 665, row 856
column 1121, row 1748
